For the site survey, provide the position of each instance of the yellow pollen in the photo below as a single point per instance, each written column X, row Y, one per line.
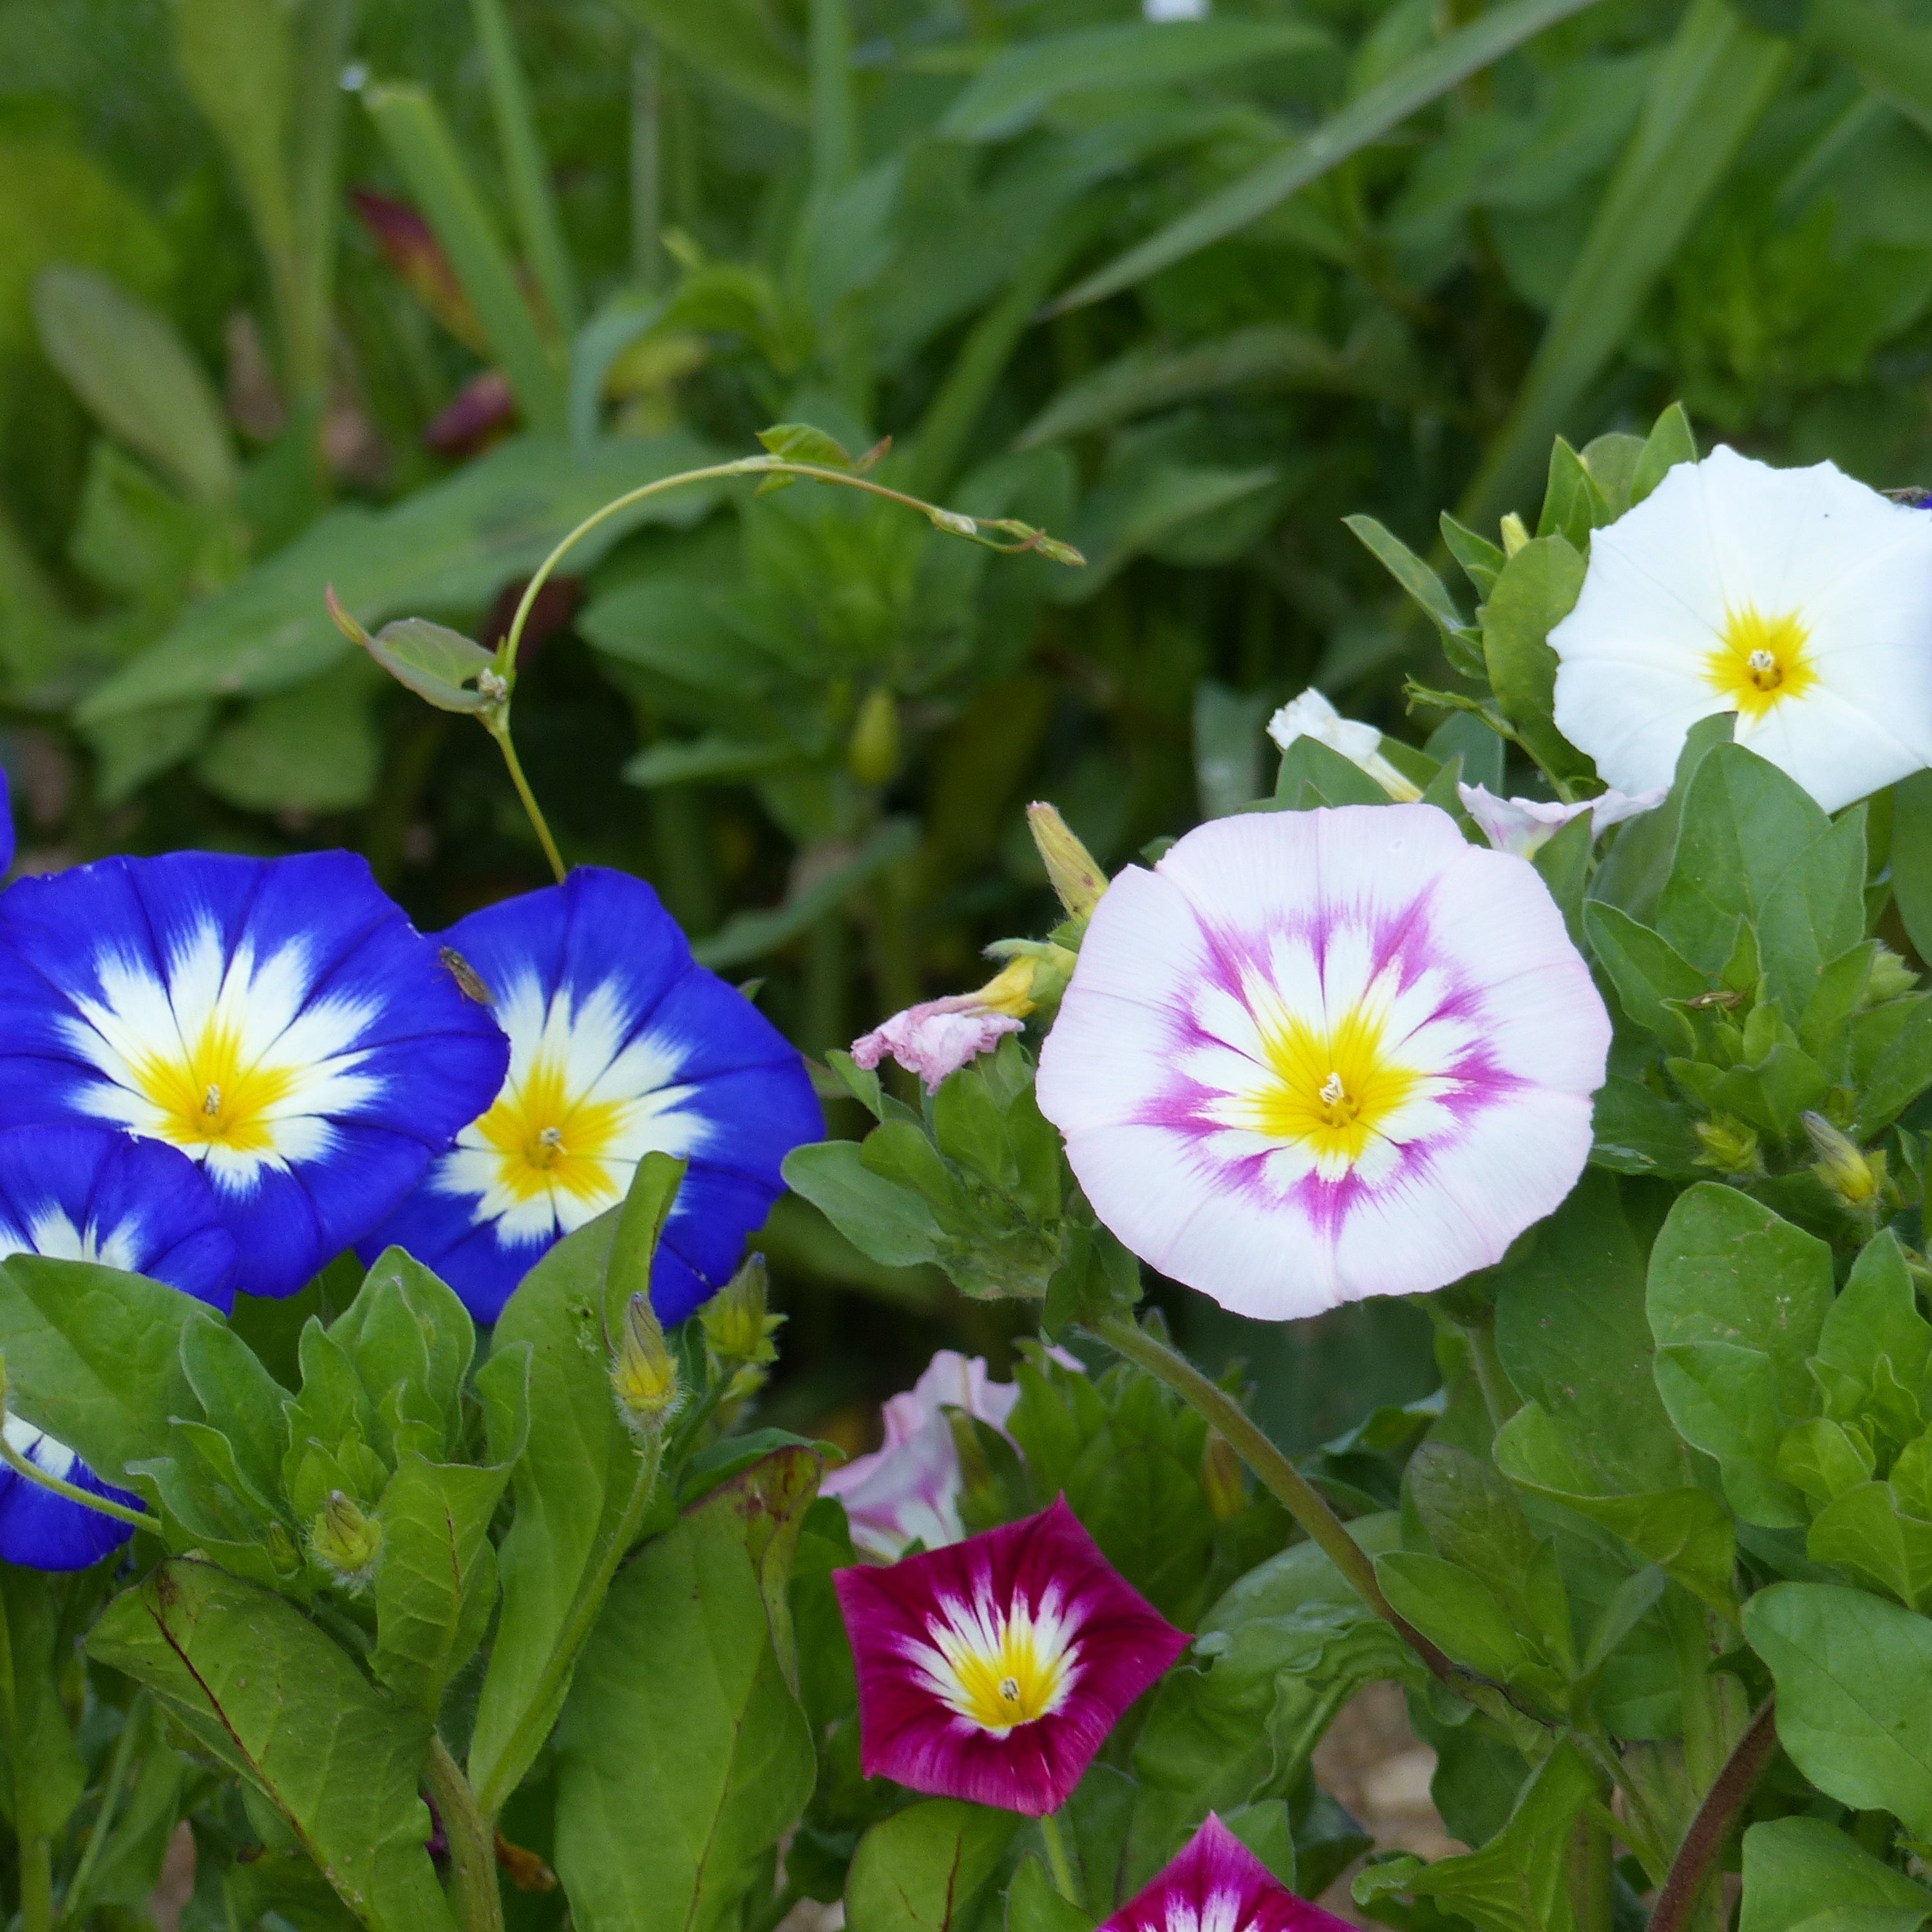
column 1761, row 661
column 1332, row 1090
column 206, row 1096
column 545, row 1137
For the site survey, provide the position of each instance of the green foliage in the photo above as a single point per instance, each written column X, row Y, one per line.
column 928, row 1869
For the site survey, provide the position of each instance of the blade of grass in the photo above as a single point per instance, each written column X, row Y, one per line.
column 322, row 36
column 1892, row 57
column 835, row 141
column 1413, row 86
column 413, row 130
column 1715, row 80
column 525, row 168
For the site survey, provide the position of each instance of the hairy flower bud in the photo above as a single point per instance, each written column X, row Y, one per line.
column 1076, row 873
column 1729, row 1146
column 1856, row 1177
column 738, row 1332
column 346, row 1542
column 1221, row 1478
column 1514, row 534
column 1891, row 978
column 644, row 1377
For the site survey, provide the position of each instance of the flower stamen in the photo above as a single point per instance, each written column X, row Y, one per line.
column 1761, row 660
column 999, row 1667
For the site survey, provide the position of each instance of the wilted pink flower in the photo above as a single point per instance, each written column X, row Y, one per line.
column 994, row 1669
column 936, row 1037
column 1524, row 826
column 1217, row 1884
column 908, row 1490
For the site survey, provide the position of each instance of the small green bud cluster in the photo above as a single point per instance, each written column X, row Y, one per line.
column 644, row 1377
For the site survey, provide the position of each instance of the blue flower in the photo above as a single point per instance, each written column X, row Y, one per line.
column 90, row 1194
column 278, row 1020
column 620, row 1045
column 6, row 824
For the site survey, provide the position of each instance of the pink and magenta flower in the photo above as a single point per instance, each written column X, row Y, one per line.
column 1217, row 1884
column 994, row 1669
column 1313, row 1056
column 907, row 1490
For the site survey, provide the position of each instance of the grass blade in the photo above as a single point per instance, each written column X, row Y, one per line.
column 413, row 130
column 525, row 168
column 1412, row 86
column 1715, row 80
column 1892, row 57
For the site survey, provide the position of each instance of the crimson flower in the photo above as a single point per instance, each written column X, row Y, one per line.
column 1217, row 1884
column 993, row 1669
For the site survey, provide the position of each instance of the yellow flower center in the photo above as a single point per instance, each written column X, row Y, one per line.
column 206, row 1097
column 1761, row 661
column 546, row 1138
column 1331, row 1089
column 1000, row 1669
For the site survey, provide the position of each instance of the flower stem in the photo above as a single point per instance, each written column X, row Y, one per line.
column 1058, row 1858
column 494, row 1788
column 1277, row 1474
column 1702, row 1843
column 474, row 1892
column 499, row 728
column 131, row 1728
column 87, row 1499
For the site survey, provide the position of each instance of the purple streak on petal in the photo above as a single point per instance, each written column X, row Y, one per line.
column 1218, row 1883
column 907, row 1732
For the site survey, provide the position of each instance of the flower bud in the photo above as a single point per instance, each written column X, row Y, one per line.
column 346, row 1542
column 1891, row 978
column 1076, row 874
column 1729, row 1146
column 644, row 1377
column 1221, row 1480
column 738, row 1332
column 282, row 1552
column 1514, row 534
column 872, row 751
column 1854, row 1176
column 1311, row 716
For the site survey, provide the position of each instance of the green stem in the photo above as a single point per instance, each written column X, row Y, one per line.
column 473, row 1890
column 1499, row 1395
column 1697, row 1856
column 1277, row 1474
column 499, row 728
column 37, row 1884
column 562, row 1660
column 86, row 1499
column 131, row 1728
column 742, row 466
column 1057, row 1857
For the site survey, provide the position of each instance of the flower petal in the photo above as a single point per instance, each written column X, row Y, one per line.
column 1217, row 1884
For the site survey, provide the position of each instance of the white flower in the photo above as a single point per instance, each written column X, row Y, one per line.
column 1797, row 599
column 1311, row 716
column 1317, row 1055
column 907, row 1490
column 1524, row 826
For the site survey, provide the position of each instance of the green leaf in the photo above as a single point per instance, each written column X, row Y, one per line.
column 1736, row 1298
column 1816, row 913
column 1854, row 1676
column 926, row 1868
column 743, row 43
column 1670, row 442
column 685, row 761
column 803, row 442
column 1014, row 88
column 746, row 936
column 1865, row 1530
column 1538, row 587
column 1647, row 970
column 1518, row 1881
column 1425, row 77
column 1456, row 1611
column 240, row 1398
column 682, row 1714
column 525, row 170
column 885, row 1222
column 1710, row 86
column 45, row 1775
column 127, row 365
column 419, row 143
column 1573, row 502
column 1911, row 858
column 454, row 544
column 262, row 1689
column 572, row 1484
column 1877, row 1314
column 313, row 749
column 1424, row 587
column 1804, row 1871
column 1890, row 1048
column 94, row 1356
column 437, row 664
column 1033, row 1905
